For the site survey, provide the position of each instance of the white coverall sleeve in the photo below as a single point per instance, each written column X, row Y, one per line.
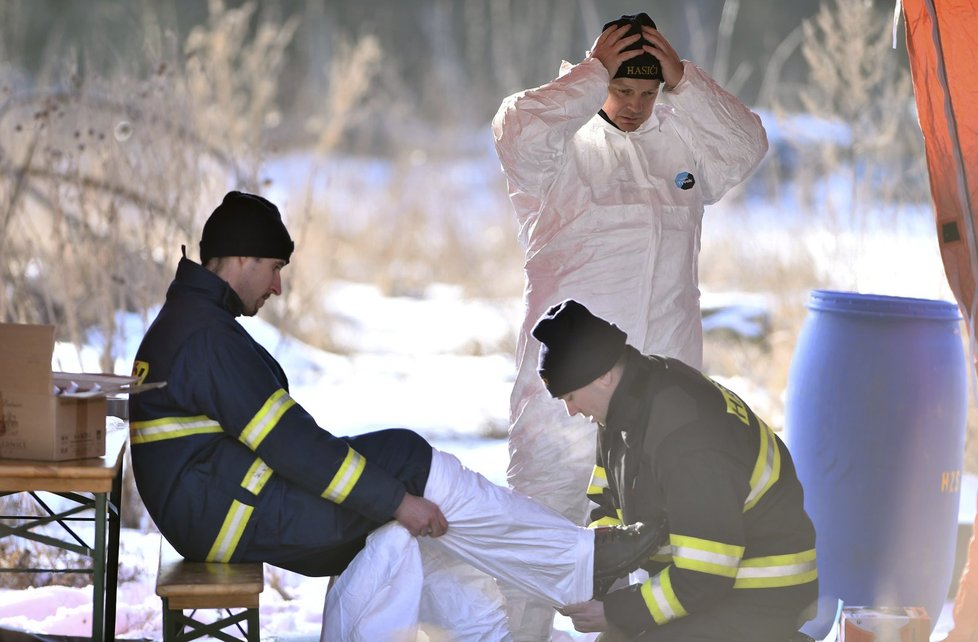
column 726, row 138
column 532, row 128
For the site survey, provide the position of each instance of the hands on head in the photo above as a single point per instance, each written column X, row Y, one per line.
column 672, row 66
column 421, row 517
column 610, row 49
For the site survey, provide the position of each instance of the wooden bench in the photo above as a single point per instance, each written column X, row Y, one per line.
column 189, row 586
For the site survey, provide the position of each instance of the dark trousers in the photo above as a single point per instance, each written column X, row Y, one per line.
column 304, row 533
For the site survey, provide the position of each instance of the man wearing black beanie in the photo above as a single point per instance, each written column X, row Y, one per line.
column 232, row 469
column 245, row 243
column 245, row 225
column 676, row 445
column 610, row 186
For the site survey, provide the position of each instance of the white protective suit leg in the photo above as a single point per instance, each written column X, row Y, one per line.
column 551, row 460
column 378, row 595
column 459, row 603
column 381, row 595
column 399, row 585
column 509, row 536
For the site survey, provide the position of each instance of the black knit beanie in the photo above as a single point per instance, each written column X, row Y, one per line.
column 644, row 66
column 576, row 347
column 245, row 225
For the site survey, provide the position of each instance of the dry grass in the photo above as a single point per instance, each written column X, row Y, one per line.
column 102, row 179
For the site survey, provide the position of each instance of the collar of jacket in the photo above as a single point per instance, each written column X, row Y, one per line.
column 608, row 120
column 631, row 396
column 650, row 123
column 194, row 277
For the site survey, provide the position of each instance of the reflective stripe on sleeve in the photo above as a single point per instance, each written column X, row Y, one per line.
column 705, row 556
column 599, row 481
column 144, row 432
column 777, row 570
column 257, row 476
column 346, row 477
column 266, row 419
column 767, row 468
column 660, row 598
column 230, row 534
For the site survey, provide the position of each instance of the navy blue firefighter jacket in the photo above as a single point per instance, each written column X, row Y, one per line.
column 223, row 456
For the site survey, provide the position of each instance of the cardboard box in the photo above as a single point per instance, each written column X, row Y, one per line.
column 45, row 415
column 884, row 624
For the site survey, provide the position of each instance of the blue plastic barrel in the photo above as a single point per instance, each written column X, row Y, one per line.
column 875, row 420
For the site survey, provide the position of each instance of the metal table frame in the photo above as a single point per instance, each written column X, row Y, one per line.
column 94, row 488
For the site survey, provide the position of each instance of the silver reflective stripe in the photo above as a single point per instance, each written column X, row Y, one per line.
column 266, row 418
column 257, row 476
column 346, row 477
column 767, row 469
column 143, row 432
column 660, row 598
column 777, row 570
column 599, row 481
column 705, row 556
column 227, row 540
column 684, row 553
column 747, row 572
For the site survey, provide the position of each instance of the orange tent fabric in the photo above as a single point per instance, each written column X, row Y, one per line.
column 942, row 40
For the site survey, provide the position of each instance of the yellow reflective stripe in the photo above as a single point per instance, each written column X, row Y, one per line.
column 144, row 432
column 346, row 477
column 767, row 468
column 257, row 476
column 777, row 570
column 266, row 418
column 599, row 481
column 617, row 520
column 234, row 525
column 660, row 598
column 705, row 556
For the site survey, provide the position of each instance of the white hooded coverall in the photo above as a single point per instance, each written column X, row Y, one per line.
column 611, row 219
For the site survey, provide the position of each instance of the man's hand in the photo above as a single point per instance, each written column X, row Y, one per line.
column 609, row 46
column 588, row 617
column 421, row 517
column 672, row 66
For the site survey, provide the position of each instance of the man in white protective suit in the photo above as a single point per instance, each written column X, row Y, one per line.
column 609, row 189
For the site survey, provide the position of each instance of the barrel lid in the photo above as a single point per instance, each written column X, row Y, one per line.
column 882, row 305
